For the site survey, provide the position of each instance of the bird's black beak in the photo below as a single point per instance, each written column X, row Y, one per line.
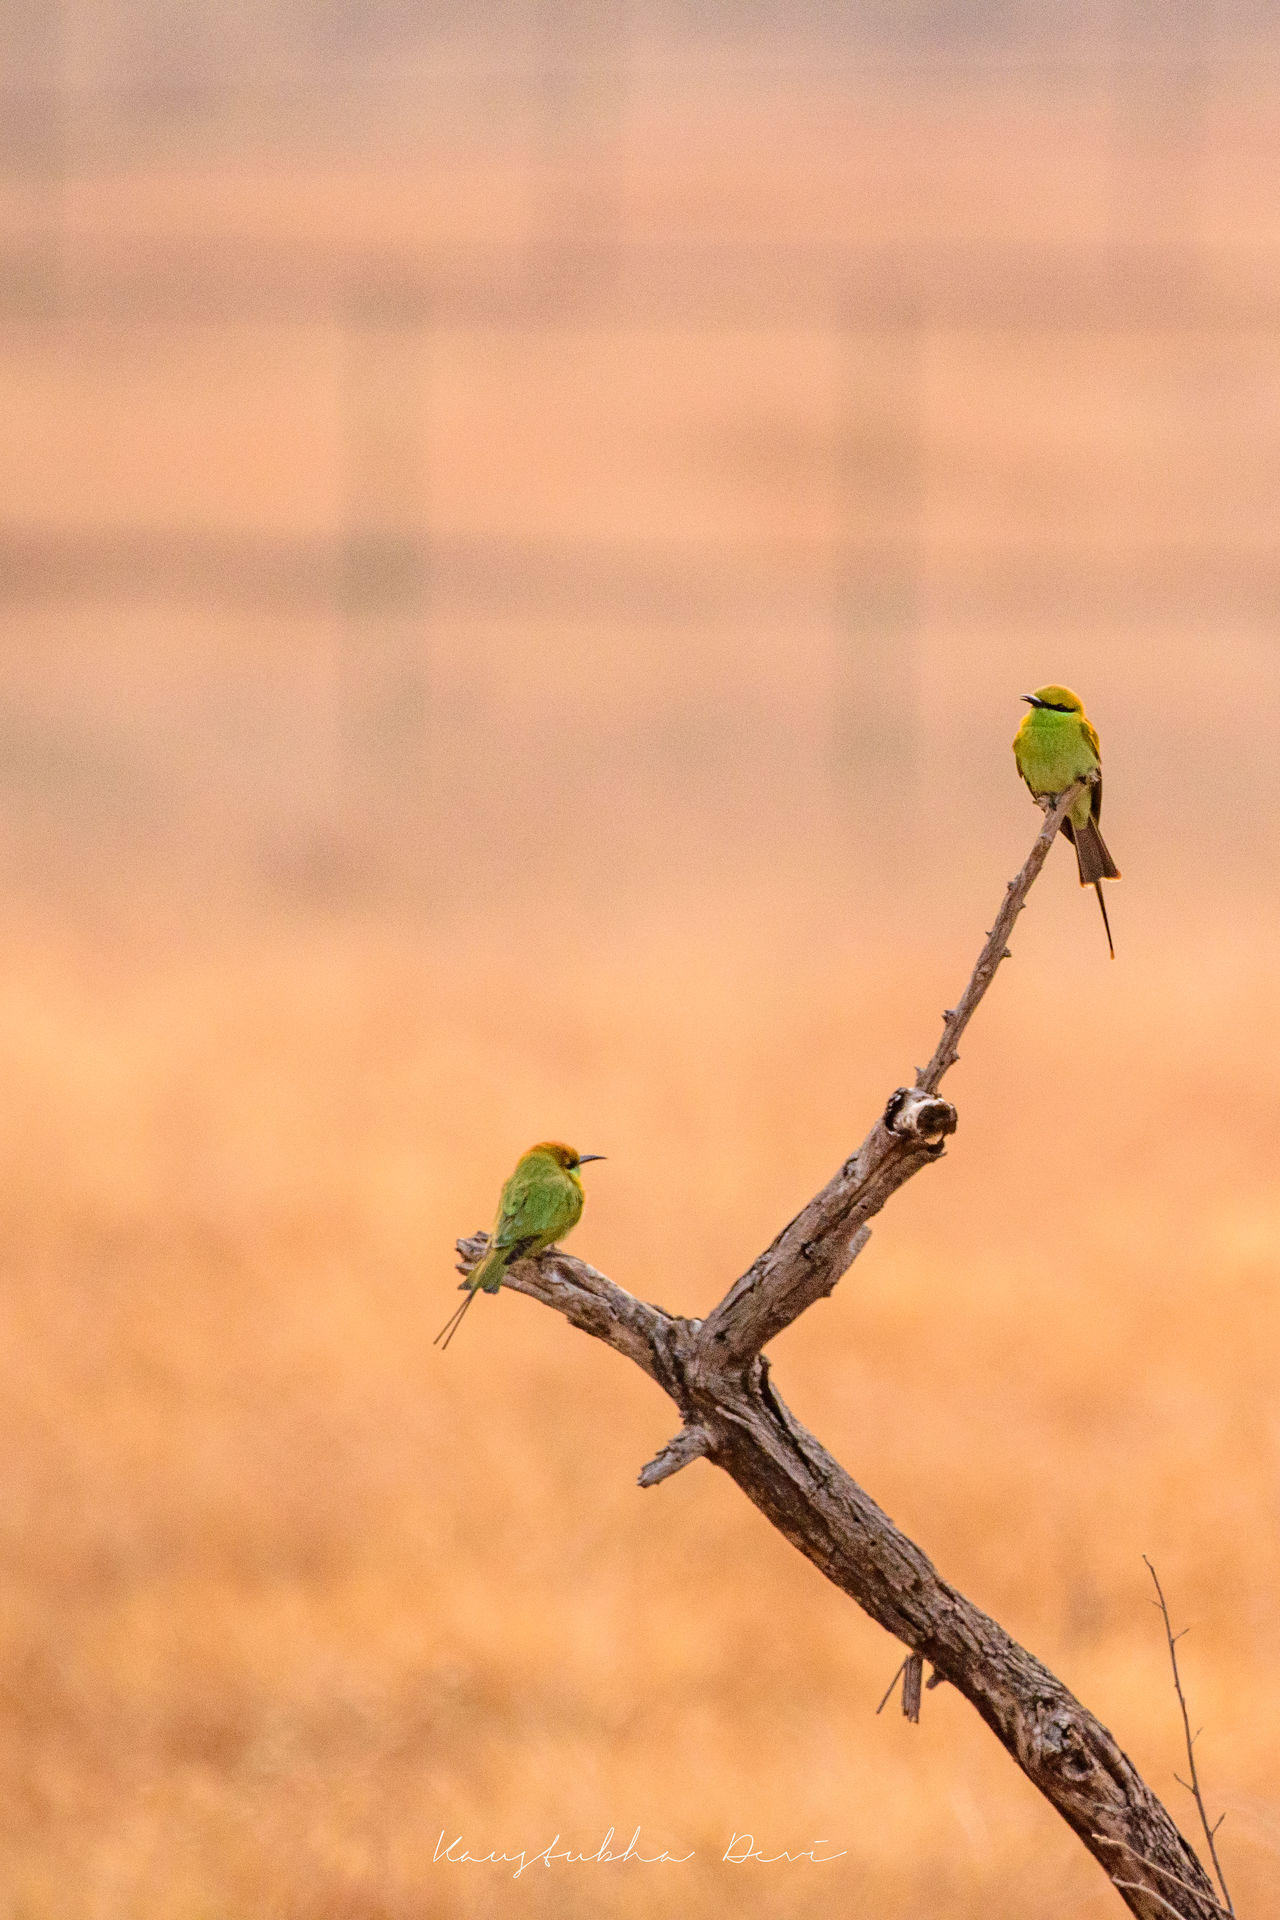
column 584, row 1157
column 1031, row 700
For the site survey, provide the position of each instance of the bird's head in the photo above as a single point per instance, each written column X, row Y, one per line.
column 567, row 1158
column 1056, row 699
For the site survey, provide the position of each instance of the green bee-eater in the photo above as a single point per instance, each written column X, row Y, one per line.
column 1055, row 746
column 541, row 1201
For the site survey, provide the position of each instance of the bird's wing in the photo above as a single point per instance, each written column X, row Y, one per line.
column 512, row 1224
column 1091, row 741
column 1017, row 755
column 552, row 1206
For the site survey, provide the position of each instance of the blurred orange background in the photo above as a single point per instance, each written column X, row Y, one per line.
column 520, row 543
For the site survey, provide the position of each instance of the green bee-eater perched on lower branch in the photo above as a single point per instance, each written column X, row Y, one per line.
column 1054, row 747
column 540, row 1203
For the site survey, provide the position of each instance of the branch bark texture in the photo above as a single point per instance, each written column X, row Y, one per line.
column 716, row 1373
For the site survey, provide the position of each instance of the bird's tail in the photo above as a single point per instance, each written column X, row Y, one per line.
column 488, row 1274
column 1095, row 864
column 1092, row 858
column 1097, row 887
column 454, row 1321
column 486, row 1277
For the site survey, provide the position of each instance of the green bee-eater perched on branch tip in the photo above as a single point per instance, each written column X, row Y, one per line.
column 541, row 1201
column 1054, row 747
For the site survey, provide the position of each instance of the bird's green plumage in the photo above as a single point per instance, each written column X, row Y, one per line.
column 542, row 1199
column 1054, row 747
column 541, row 1202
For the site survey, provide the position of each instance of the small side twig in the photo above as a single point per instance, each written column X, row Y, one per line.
column 891, row 1686
column 1193, row 1784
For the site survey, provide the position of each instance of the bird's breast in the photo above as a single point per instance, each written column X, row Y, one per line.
column 1052, row 751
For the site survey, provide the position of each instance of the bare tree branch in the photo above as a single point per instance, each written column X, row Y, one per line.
column 716, row 1373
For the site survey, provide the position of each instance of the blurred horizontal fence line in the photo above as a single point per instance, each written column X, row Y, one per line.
column 503, row 578
column 95, row 47
column 906, row 296
column 387, row 579
column 1119, row 286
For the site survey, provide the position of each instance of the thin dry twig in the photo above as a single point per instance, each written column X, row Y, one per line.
column 888, row 1692
column 1155, row 1866
column 1193, row 1784
column 957, row 1018
column 1150, row 1893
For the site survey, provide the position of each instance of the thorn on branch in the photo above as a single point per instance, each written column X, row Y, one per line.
column 691, row 1443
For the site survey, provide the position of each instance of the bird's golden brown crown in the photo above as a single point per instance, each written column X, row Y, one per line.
column 567, row 1157
column 1060, row 698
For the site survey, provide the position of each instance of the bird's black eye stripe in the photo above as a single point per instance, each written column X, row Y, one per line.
column 1056, row 709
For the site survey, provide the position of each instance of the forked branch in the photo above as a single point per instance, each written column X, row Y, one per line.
column 716, row 1373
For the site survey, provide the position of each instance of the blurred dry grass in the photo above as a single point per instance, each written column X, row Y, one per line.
column 286, row 1595
column 666, row 820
